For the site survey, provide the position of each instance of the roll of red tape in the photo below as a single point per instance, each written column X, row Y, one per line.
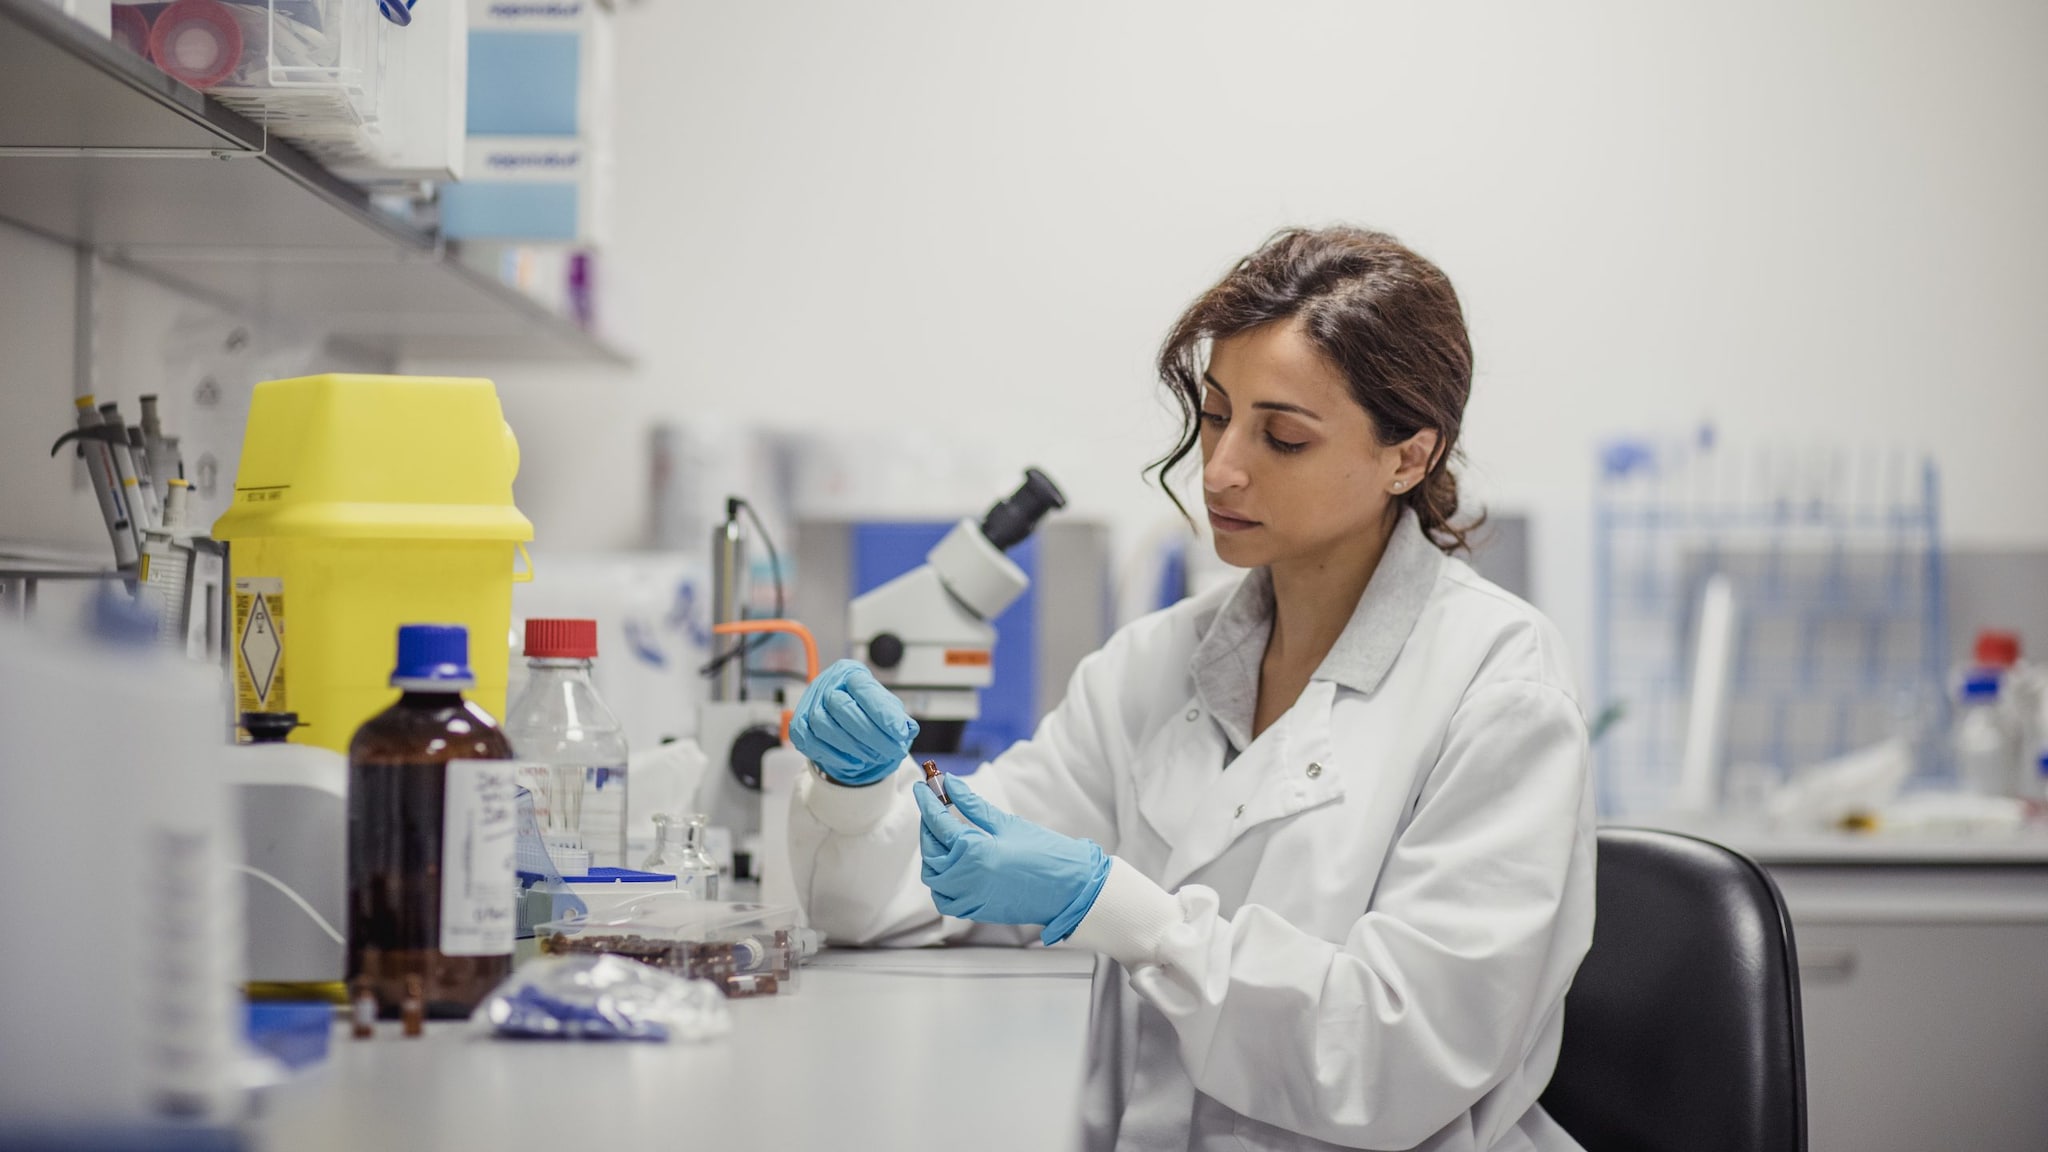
column 196, row 42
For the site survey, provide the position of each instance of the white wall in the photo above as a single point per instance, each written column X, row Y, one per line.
column 199, row 361
column 146, row 341
column 970, row 224
column 41, row 504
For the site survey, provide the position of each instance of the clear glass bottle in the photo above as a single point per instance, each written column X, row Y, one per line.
column 431, row 836
column 571, row 747
column 679, row 849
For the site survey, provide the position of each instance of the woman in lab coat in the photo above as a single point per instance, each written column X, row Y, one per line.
column 1329, row 830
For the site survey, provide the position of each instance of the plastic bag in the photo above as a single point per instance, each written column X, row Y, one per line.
column 603, row 998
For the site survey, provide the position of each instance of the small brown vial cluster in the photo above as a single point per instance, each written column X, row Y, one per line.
column 362, row 1005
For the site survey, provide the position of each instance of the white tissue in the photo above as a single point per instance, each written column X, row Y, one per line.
column 664, row 779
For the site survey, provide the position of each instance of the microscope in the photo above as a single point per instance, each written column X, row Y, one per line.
column 927, row 635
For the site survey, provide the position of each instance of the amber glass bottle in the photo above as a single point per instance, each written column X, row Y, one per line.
column 431, row 838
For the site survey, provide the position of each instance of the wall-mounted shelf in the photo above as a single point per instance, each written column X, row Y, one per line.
column 99, row 149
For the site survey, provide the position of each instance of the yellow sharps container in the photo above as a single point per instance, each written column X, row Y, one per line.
column 363, row 503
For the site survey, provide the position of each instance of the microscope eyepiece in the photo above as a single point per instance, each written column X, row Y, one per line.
column 1012, row 519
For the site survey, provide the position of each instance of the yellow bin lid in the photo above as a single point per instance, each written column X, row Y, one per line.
column 376, row 457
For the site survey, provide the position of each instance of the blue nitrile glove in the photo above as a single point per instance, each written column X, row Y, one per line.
column 1003, row 869
column 850, row 726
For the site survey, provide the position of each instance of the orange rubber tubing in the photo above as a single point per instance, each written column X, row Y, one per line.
column 791, row 627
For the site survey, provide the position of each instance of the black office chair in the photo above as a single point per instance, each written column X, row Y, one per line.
column 1681, row 1032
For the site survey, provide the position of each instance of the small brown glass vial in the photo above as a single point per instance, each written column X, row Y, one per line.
column 414, row 1009
column 362, row 1009
column 937, row 780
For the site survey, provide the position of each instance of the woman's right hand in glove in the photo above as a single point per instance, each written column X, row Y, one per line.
column 850, row 726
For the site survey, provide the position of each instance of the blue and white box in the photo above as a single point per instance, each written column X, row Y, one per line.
column 536, row 166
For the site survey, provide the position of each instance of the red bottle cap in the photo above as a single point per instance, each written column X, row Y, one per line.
column 561, row 639
column 1998, row 649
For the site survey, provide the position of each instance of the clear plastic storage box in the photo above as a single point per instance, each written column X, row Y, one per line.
column 310, row 71
column 745, row 949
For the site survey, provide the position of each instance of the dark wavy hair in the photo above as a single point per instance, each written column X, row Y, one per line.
column 1386, row 318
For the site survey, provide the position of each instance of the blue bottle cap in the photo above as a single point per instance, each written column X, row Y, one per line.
column 433, row 657
column 1981, row 686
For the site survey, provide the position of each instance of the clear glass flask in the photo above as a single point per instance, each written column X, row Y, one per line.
column 571, row 747
column 679, row 849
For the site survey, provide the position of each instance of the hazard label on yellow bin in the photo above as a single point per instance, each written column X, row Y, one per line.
column 259, row 644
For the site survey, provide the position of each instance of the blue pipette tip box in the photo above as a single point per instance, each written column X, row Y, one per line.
column 296, row 1032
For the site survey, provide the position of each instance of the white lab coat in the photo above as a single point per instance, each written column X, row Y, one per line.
column 1356, row 930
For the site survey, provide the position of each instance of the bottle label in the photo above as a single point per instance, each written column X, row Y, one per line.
column 479, row 839
column 604, row 814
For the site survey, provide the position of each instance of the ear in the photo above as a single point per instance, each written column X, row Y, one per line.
column 1415, row 457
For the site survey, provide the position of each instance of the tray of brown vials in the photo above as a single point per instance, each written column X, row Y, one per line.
column 745, row 949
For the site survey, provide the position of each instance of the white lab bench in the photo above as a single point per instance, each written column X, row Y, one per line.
column 1924, row 973
column 1924, row 966
column 891, row 1049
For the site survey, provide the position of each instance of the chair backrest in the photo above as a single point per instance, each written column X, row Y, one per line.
column 1681, row 1030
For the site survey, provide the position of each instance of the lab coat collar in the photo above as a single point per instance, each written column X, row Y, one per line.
column 1226, row 662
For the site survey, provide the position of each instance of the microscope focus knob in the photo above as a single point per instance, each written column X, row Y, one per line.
column 749, row 748
column 885, row 650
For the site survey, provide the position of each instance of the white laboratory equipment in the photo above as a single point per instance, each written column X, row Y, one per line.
column 119, row 1008
column 735, row 726
column 571, row 749
column 780, row 770
column 292, row 800
column 928, row 634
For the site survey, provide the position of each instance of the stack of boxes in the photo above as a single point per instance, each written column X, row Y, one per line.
column 531, row 206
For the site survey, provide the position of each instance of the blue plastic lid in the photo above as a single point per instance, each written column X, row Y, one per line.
column 433, row 654
column 121, row 620
column 621, row 876
column 295, row 1032
column 289, row 1016
column 1980, row 686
